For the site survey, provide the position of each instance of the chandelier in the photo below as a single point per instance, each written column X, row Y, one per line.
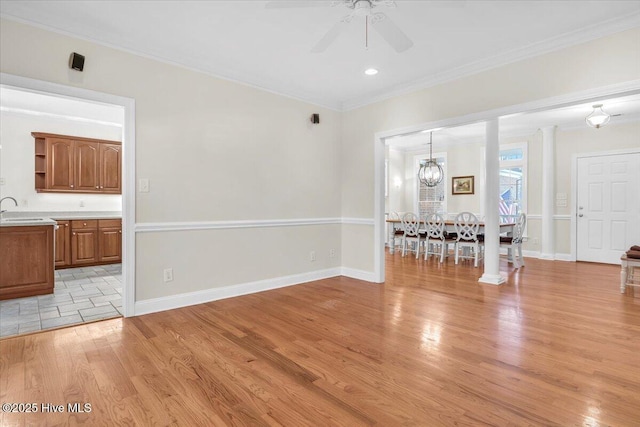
column 430, row 173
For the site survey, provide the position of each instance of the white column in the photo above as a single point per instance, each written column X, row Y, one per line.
column 547, row 250
column 491, row 205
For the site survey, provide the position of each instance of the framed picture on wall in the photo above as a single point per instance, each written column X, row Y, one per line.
column 462, row 185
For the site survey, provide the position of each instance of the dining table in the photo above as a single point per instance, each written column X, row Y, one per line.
column 506, row 228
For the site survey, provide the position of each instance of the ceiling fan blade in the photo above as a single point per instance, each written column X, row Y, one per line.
column 390, row 32
column 296, row 3
column 332, row 34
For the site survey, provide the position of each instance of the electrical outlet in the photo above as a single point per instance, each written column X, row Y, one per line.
column 1, row 181
column 332, row 253
column 312, row 256
column 535, row 241
column 168, row 274
column 143, row 185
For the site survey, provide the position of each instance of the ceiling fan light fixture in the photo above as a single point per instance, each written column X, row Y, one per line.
column 371, row 71
column 598, row 117
column 362, row 8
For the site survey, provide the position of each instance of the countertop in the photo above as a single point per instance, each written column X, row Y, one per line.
column 24, row 218
column 21, row 222
column 63, row 215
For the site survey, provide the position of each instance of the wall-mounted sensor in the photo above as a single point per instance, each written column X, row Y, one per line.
column 315, row 118
column 76, row 61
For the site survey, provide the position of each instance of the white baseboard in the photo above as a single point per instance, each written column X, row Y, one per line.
column 367, row 276
column 556, row 256
column 198, row 297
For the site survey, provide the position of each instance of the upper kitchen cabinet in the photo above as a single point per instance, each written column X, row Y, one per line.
column 79, row 165
column 87, row 165
column 110, row 168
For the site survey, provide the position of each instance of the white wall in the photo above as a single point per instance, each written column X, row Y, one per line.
column 17, row 163
column 396, row 199
column 213, row 150
column 586, row 140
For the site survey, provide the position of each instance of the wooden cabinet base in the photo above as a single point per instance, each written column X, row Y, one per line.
column 26, row 261
column 88, row 264
column 92, row 242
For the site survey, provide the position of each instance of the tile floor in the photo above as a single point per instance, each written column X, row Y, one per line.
column 80, row 295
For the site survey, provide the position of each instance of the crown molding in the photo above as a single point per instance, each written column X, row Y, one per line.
column 218, row 74
column 563, row 41
column 553, row 44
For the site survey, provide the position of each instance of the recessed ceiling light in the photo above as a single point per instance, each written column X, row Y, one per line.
column 371, row 71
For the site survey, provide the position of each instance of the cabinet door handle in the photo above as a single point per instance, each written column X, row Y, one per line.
column 84, row 224
column 66, row 225
column 96, row 186
column 120, row 231
column 73, row 234
column 71, row 186
column 101, row 186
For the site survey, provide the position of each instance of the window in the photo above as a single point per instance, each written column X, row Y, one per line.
column 513, row 180
column 431, row 199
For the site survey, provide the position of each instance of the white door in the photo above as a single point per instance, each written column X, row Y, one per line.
column 608, row 207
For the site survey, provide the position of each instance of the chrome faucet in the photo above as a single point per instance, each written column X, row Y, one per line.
column 1, row 200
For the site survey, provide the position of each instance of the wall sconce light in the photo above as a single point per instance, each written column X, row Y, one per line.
column 598, row 117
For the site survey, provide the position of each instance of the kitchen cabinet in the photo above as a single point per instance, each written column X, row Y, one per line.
column 26, row 261
column 109, row 240
column 70, row 164
column 63, row 244
column 110, row 168
column 59, row 164
column 89, row 242
column 84, row 242
column 86, row 158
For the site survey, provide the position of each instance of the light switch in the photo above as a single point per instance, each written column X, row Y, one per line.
column 1, row 181
column 143, row 185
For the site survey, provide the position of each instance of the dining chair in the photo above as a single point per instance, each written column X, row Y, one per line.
column 411, row 225
column 397, row 232
column 437, row 242
column 513, row 243
column 467, row 226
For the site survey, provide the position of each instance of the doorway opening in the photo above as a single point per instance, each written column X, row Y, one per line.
column 101, row 289
column 566, row 111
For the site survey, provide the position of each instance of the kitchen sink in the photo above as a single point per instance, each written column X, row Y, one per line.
column 22, row 219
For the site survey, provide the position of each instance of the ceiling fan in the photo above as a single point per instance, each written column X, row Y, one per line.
column 389, row 31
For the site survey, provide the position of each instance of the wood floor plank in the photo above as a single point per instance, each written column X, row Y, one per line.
column 555, row 345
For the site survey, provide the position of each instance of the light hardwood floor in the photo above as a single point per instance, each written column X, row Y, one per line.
column 557, row 345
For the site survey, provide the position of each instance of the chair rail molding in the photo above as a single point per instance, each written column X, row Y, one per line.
column 146, row 227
